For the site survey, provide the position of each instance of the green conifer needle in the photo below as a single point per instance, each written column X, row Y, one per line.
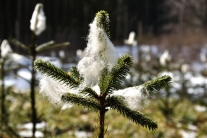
column 102, row 19
column 49, row 69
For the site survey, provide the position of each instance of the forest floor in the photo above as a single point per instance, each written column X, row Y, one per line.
column 186, row 119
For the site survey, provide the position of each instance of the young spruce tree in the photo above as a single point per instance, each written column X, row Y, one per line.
column 37, row 26
column 94, row 83
column 6, row 66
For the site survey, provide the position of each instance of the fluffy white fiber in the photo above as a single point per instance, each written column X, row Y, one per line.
column 5, row 49
column 99, row 54
column 133, row 96
column 38, row 20
column 53, row 91
column 165, row 58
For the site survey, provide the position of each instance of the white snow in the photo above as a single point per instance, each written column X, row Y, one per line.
column 145, row 50
column 19, row 59
column 24, row 73
column 19, row 84
column 26, row 129
column 196, row 91
column 188, row 134
column 123, row 50
column 200, row 108
column 28, row 133
column 82, row 134
column 198, row 80
column 29, row 126
column 192, row 127
column 197, row 66
column 21, row 81
column 203, row 57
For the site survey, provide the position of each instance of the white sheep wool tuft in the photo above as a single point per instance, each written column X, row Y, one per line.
column 100, row 53
column 53, row 91
column 165, row 58
column 134, row 97
column 38, row 20
column 5, row 49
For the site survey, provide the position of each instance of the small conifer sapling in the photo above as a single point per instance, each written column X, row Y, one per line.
column 95, row 82
column 6, row 67
column 37, row 26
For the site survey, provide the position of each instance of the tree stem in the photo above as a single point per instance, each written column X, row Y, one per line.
column 2, row 114
column 101, row 125
column 32, row 86
column 102, row 117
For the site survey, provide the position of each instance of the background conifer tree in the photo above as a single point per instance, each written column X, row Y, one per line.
column 37, row 26
column 95, row 82
column 6, row 67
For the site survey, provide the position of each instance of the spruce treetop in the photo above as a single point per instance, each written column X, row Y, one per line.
column 102, row 20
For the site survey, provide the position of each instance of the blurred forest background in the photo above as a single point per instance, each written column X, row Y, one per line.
column 168, row 22
column 176, row 28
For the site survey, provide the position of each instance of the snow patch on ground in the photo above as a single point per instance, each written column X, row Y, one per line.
column 26, row 129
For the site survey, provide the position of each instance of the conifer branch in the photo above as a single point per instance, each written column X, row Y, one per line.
column 42, row 46
column 83, row 101
column 112, row 80
column 12, row 68
column 118, row 104
column 74, row 73
column 49, row 69
column 23, row 78
column 90, row 93
column 50, row 45
column 102, row 19
column 157, row 84
column 104, row 80
column 18, row 43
